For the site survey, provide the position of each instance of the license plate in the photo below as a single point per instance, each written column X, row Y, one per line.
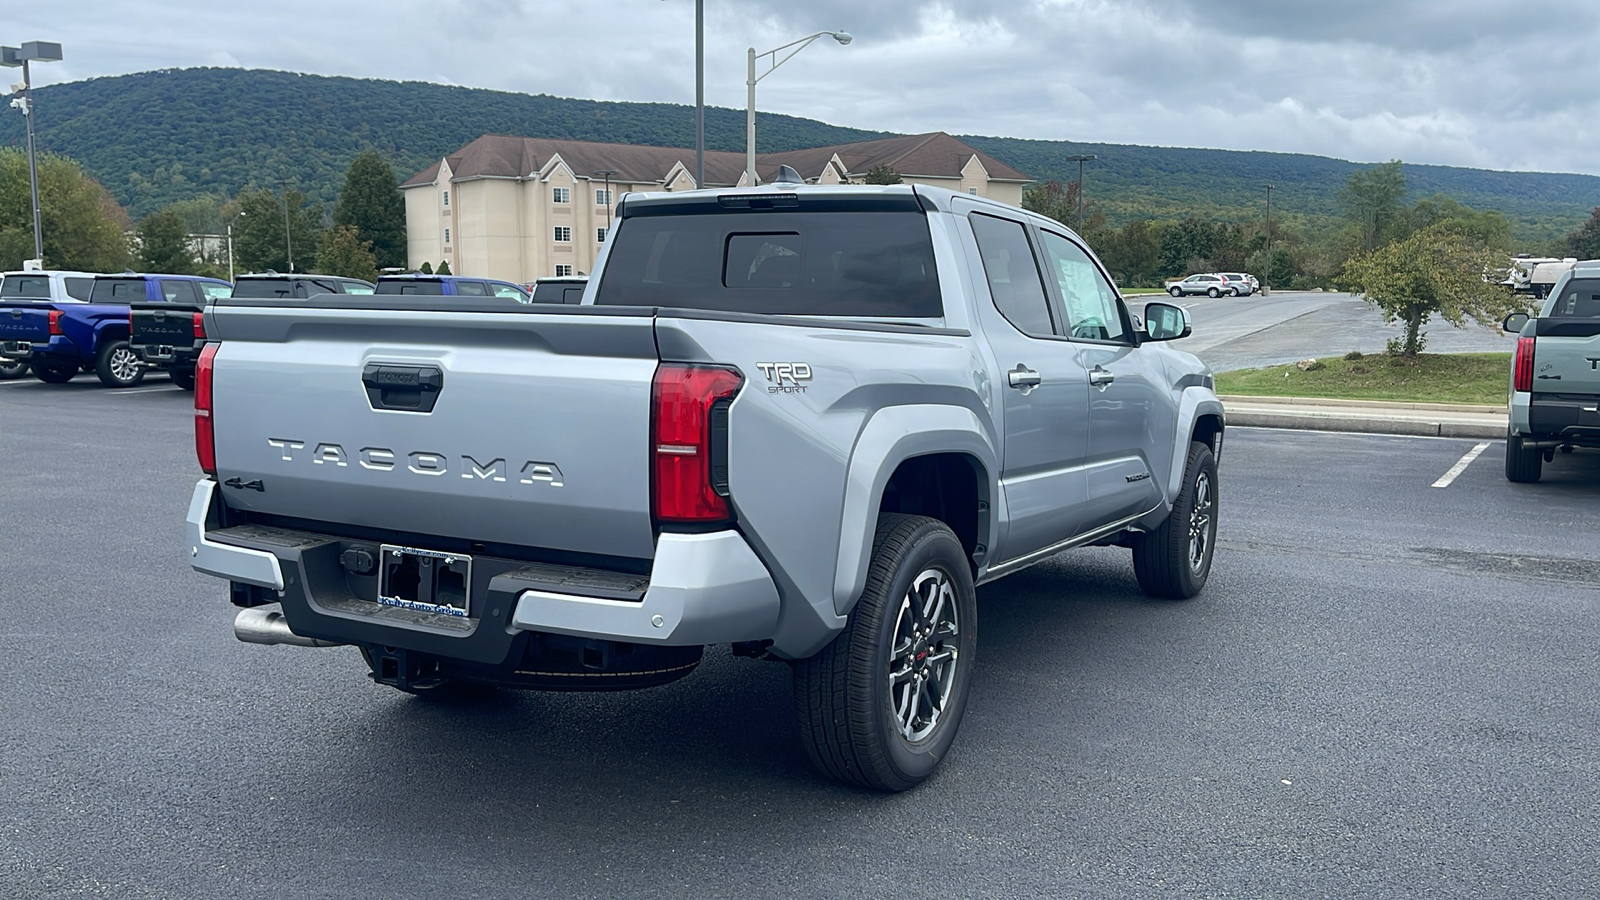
column 162, row 351
column 425, row 580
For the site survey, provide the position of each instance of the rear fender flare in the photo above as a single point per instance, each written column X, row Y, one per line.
column 892, row 436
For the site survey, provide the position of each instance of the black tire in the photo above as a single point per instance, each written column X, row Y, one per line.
column 1173, row 561
column 1213, row 293
column 118, row 366
column 1175, row 291
column 54, row 373
column 183, row 378
column 855, row 721
column 12, row 368
column 1523, row 465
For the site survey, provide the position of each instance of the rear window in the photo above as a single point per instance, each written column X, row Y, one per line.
column 30, row 287
column 877, row 264
column 408, row 286
column 1580, row 299
column 256, row 288
column 118, row 290
column 79, row 288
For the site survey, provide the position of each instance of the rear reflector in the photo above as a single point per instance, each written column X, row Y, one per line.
column 685, row 457
column 55, row 322
column 1522, row 365
column 205, row 439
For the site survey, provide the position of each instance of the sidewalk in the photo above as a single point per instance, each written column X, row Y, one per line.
column 1370, row 416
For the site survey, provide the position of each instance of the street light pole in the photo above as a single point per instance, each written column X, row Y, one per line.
column 288, row 241
column 1266, row 281
column 1080, row 159
column 699, row 99
column 843, row 37
column 43, row 51
column 606, row 174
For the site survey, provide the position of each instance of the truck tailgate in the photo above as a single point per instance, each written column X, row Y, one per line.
column 161, row 324
column 538, row 431
column 25, row 321
column 1567, row 356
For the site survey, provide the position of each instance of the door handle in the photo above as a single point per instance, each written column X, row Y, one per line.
column 1099, row 377
column 1023, row 378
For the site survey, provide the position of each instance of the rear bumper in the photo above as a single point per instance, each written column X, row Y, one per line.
column 57, row 348
column 170, row 355
column 1571, row 418
column 702, row 589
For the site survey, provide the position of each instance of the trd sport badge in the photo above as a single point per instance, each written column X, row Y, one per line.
column 786, row 377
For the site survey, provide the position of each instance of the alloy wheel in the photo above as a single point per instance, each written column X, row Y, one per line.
column 1200, row 522
column 922, row 654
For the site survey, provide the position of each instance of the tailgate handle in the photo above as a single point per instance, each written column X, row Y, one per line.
column 403, row 388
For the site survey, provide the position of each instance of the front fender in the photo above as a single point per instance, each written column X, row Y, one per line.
column 1195, row 402
column 892, row 436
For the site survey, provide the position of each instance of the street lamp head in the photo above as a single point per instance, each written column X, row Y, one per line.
column 843, row 37
column 10, row 56
column 40, row 51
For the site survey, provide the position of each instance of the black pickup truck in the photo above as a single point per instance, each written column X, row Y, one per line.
column 170, row 335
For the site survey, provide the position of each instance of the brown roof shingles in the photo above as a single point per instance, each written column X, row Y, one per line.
column 935, row 155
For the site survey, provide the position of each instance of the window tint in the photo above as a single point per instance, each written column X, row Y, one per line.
column 354, row 287
column 118, row 290
column 263, row 287
column 1013, row 276
column 411, row 286
column 1580, row 299
column 471, row 289
column 821, row 263
column 33, row 287
column 79, row 288
column 1092, row 309
column 178, row 292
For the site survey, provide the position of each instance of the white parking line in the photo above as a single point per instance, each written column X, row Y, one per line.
column 1461, row 465
column 150, row 390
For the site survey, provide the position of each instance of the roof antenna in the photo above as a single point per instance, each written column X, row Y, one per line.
column 787, row 175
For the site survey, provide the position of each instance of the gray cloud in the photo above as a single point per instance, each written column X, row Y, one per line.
column 1470, row 82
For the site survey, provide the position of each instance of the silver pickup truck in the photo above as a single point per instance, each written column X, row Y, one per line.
column 802, row 421
column 1555, row 375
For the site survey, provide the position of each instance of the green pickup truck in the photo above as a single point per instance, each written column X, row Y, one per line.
column 1555, row 375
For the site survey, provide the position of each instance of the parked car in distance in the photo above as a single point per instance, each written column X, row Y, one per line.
column 1555, row 375
column 1239, row 284
column 61, row 339
column 561, row 289
column 450, row 286
column 1210, row 285
column 272, row 284
column 50, row 286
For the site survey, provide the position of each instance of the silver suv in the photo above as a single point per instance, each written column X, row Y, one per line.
column 1210, row 285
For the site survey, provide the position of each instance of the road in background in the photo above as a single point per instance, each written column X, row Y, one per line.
column 1387, row 689
column 1250, row 332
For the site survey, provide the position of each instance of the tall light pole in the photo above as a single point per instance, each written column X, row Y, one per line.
column 32, row 51
column 699, row 98
column 288, row 242
column 606, row 174
column 1080, row 159
column 843, row 37
column 232, row 220
column 1266, row 279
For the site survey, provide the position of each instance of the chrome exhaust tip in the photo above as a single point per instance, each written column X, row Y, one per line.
column 266, row 625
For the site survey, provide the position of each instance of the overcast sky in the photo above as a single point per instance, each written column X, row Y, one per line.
column 1487, row 83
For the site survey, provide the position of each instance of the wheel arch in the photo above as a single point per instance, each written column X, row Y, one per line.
column 1200, row 417
column 938, row 461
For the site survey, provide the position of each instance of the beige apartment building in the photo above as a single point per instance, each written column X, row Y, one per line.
column 520, row 209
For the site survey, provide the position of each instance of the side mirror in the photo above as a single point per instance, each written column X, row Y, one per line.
column 1165, row 322
column 1514, row 322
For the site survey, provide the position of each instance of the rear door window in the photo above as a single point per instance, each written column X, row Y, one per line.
column 1013, row 274
column 411, row 286
column 825, row 263
column 118, row 290
column 79, row 288
column 471, row 289
column 178, row 291
column 26, row 287
column 214, row 291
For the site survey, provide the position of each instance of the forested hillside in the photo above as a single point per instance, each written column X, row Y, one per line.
column 155, row 138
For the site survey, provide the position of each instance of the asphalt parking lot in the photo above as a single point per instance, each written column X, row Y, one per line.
column 1388, row 689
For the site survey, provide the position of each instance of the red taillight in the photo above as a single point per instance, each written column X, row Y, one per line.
column 205, row 440
column 1523, row 365
column 55, row 322
column 689, row 485
column 199, row 325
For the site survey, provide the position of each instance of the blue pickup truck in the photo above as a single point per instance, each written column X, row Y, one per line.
column 451, row 286
column 60, row 339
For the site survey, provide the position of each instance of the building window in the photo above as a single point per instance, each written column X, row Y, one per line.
column 563, row 271
column 446, row 198
column 602, row 197
column 600, row 235
column 972, row 191
column 561, row 195
column 563, row 234
column 447, row 236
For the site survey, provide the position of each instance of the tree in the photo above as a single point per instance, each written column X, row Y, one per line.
column 164, row 244
column 882, row 174
column 1053, row 199
column 258, row 231
column 1436, row 270
column 371, row 202
column 444, row 268
column 427, row 268
column 344, row 253
column 1585, row 242
column 1489, row 227
column 1371, row 201
column 82, row 226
